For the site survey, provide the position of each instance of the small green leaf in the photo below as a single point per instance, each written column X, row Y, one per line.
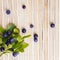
column 10, row 27
column 27, row 36
column 19, row 38
column 15, row 35
column 16, row 30
column 21, row 50
column 21, row 47
column 24, row 45
column 0, row 40
column 16, row 45
column 9, row 46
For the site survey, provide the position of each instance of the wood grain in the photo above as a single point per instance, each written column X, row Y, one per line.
column 40, row 13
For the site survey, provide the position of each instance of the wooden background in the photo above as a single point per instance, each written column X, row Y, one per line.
column 40, row 13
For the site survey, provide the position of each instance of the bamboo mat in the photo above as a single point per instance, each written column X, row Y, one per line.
column 40, row 13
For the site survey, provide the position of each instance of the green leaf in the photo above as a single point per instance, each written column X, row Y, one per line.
column 0, row 40
column 4, row 40
column 27, row 36
column 1, row 29
column 16, row 30
column 16, row 45
column 19, row 38
column 21, row 50
column 21, row 47
column 24, row 45
column 15, row 35
column 10, row 27
column 3, row 45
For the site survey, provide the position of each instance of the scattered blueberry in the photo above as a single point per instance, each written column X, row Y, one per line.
column 23, row 30
column 31, row 26
column 52, row 25
column 15, row 54
column 35, row 39
column 8, row 12
column 2, row 49
column 23, row 6
column 11, row 40
column 35, row 35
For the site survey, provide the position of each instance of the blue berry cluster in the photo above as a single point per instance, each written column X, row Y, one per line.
column 6, row 34
column 11, row 40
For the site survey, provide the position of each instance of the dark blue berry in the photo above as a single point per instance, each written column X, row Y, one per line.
column 23, row 30
column 9, row 32
column 31, row 26
column 7, row 12
column 52, row 25
column 7, row 42
column 15, row 54
column 11, row 40
column 5, row 35
column 35, row 35
column 35, row 39
column 23, row 6
column 2, row 49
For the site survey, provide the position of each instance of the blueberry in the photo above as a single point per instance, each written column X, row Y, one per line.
column 9, row 32
column 7, row 42
column 2, row 49
column 52, row 25
column 15, row 54
column 35, row 39
column 23, row 30
column 23, row 6
column 35, row 35
column 7, row 12
column 5, row 35
column 11, row 40
column 31, row 26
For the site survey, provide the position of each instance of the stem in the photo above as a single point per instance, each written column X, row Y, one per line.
column 4, row 52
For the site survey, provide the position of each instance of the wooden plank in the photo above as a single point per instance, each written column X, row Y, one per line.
column 40, row 13
column 53, row 39
column 56, row 44
column 45, row 30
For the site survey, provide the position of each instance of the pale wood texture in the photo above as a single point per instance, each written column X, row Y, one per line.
column 40, row 13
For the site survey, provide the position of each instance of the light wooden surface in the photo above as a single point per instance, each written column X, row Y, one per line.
column 40, row 13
